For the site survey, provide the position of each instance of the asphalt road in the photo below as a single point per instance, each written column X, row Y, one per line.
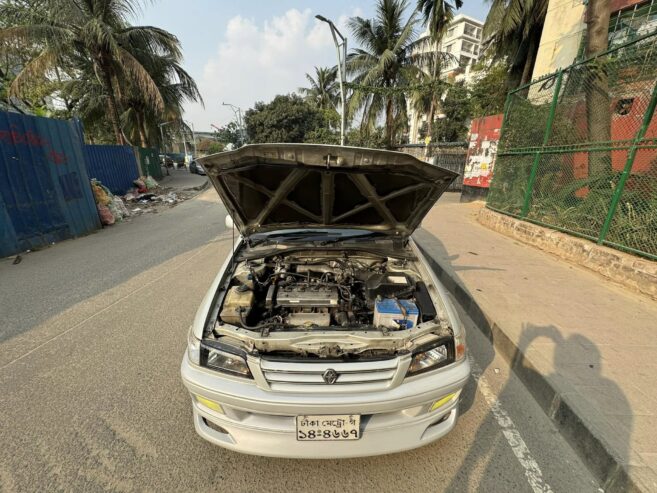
column 92, row 335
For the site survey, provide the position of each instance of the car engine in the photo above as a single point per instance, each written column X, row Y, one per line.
column 341, row 292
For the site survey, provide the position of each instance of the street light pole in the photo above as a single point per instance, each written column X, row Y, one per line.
column 191, row 125
column 166, row 168
column 341, row 49
column 237, row 111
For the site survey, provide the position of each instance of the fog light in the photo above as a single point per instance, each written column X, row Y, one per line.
column 444, row 400
column 215, row 406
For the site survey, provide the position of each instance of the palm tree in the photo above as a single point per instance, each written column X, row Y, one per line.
column 98, row 33
column 176, row 87
column 513, row 28
column 436, row 16
column 324, row 88
column 386, row 61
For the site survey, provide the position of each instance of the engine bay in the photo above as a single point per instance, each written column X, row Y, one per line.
column 347, row 292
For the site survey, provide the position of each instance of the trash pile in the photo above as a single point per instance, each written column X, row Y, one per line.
column 146, row 197
column 110, row 207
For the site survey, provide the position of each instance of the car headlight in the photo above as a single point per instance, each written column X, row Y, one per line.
column 224, row 358
column 193, row 347
column 425, row 359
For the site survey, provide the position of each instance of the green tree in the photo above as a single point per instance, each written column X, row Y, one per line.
column 215, row 147
column 457, row 110
column 513, row 28
column 324, row 90
column 387, row 59
column 488, row 93
column 374, row 139
column 230, row 134
column 436, row 16
column 98, row 35
column 287, row 118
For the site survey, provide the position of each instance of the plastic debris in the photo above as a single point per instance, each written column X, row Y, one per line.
column 150, row 182
column 106, row 216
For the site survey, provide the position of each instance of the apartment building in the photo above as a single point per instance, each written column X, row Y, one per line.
column 462, row 40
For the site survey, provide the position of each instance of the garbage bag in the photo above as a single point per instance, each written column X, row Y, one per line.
column 106, row 216
column 118, row 209
column 150, row 182
column 141, row 186
column 100, row 193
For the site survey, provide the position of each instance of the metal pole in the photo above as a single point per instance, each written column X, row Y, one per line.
column 184, row 139
column 162, row 139
column 342, row 72
column 241, row 124
column 343, row 123
column 546, row 139
column 191, row 125
column 237, row 111
column 647, row 117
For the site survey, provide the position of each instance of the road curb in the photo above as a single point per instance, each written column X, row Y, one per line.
column 576, row 426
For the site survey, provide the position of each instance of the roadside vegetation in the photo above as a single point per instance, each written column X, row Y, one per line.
column 86, row 60
column 393, row 67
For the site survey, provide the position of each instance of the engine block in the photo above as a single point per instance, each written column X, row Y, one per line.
column 308, row 296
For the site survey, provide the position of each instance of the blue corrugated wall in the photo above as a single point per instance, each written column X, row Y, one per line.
column 45, row 195
column 115, row 166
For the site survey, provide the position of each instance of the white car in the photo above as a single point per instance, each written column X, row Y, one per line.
column 325, row 334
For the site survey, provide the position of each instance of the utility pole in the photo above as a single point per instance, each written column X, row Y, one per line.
column 166, row 168
column 191, row 125
column 237, row 111
column 341, row 49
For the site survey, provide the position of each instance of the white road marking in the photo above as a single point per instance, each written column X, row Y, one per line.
column 532, row 471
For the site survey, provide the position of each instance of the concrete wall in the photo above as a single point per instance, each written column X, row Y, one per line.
column 633, row 272
column 562, row 34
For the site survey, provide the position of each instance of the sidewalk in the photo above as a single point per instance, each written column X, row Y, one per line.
column 584, row 346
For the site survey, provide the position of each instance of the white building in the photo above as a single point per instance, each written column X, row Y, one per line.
column 462, row 41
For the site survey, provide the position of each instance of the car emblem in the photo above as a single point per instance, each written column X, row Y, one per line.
column 330, row 376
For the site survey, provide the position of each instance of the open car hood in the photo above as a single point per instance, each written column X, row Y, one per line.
column 268, row 187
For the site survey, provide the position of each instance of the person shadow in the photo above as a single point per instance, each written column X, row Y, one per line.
column 571, row 354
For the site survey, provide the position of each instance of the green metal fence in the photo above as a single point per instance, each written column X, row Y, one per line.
column 578, row 150
column 149, row 162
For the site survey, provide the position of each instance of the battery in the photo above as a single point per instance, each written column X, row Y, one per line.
column 395, row 314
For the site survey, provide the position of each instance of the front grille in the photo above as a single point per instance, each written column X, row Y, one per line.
column 302, row 377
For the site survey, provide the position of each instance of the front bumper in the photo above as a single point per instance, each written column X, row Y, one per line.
column 259, row 422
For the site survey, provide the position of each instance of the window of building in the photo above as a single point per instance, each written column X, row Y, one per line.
column 448, row 48
column 450, row 32
column 470, row 30
column 464, row 61
column 467, row 47
column 632, row 22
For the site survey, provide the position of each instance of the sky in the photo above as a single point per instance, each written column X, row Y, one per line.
column 241, row 52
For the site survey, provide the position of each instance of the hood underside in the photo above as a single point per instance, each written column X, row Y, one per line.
column 268, row 187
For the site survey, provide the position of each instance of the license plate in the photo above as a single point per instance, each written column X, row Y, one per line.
column 328, row 427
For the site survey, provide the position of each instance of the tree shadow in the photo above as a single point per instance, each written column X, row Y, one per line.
column 540, row 386
column 568, row 351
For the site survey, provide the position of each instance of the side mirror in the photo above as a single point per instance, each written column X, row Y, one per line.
column 229, row 222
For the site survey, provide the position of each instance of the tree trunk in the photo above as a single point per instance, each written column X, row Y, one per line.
column 528, row 69
column 112, row 106
column 598, row 110
column 141, row 128
column 390, row 122
column 434, row 76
